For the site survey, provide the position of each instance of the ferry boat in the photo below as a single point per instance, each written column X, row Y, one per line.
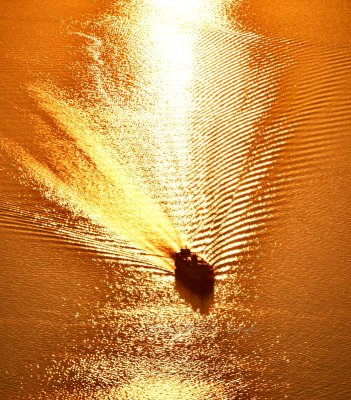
column 195, row 272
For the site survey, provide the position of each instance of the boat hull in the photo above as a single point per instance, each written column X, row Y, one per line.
column 195, row 273
column 196, row 285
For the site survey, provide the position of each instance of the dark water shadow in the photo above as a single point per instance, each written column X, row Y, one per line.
column 200, row 300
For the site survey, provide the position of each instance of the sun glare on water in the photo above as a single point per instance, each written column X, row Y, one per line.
column 124, row 164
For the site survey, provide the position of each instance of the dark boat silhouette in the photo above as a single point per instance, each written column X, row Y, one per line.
column 193, row 271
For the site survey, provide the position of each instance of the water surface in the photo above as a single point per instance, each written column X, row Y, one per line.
column 130, row 129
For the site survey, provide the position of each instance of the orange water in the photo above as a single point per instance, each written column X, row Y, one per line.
column 130, row 129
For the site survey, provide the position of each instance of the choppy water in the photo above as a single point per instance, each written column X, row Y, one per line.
column 130, row 129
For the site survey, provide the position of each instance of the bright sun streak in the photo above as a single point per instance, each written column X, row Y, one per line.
column 178, row 9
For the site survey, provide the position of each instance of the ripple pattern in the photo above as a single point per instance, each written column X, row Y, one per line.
column 264, row 112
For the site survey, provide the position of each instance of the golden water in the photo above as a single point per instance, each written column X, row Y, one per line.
column 130, row 129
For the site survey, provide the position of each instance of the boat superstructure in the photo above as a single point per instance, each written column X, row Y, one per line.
column 193, row 270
